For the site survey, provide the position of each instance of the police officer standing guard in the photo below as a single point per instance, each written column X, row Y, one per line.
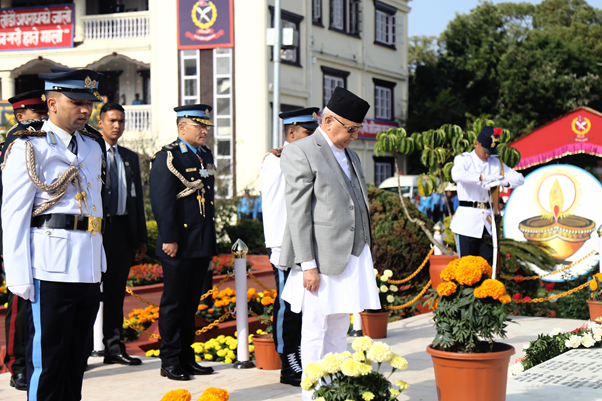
column 182, row 193
column 476, row 173
column 26, row 106
column 298, row 124
column 52, row 208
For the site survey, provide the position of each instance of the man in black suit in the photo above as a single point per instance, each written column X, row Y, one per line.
column 125, row 234
column 182, row 192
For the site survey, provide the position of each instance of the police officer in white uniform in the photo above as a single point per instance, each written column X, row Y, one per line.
column 476, row 174
column 52, row 221
column 286, row 326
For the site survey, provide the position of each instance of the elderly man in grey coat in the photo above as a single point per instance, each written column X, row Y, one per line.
column 328, row 239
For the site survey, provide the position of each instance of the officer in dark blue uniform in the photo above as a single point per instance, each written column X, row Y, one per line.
column 182, row 192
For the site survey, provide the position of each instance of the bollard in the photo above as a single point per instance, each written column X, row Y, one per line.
column 600, row 248
column 239, row 249
column 357, row 326
column 98, row 346
column 438, row 230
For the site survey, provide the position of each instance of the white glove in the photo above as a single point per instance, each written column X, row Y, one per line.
column 489, row 178
column 497, row 183
column 25, row 291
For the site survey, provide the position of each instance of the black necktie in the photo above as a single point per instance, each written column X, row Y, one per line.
column 73, row 145
column 113, row 184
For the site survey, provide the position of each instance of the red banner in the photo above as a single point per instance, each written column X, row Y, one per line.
column 36, row 27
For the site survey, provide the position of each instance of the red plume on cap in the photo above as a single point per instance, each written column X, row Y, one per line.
column 497, row 132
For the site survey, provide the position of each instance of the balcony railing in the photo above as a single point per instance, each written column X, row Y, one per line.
column 138, row 118
column 117, row 26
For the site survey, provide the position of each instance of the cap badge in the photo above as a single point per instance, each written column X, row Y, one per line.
column 43, row 97
column 495, row 138
column 93, row 84
column 314, row 116
column 206, row 112
column 22, row 106
column 87, row 82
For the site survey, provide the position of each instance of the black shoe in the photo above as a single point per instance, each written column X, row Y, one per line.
column 122, row 359
column 174, row 373
column 291, row 370
column 98, row 354
column 19, row 381
column 194, row 368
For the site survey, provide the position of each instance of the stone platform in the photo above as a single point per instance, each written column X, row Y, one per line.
column 408, row 338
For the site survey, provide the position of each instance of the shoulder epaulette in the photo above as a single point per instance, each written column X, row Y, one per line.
column 28, row 122
column 90, row 132
column 12, row 128
column 28, row 132
column 171, row 146
column 152, row 159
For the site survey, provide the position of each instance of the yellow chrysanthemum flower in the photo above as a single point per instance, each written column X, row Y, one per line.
column 394, row 392
column 314, row 371
column 362, row 343
column 347, row 354
column 368, row 396
column 307, row 384
column 446, row 288
column 402, row 385
column 331, row 363
column 379, row 352
column 351, row 368
column 359, row 356
column 398, row 362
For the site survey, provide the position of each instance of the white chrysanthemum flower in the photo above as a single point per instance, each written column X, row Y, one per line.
column 592, row 325
column 597, row 333
column 526, row 346
column 390, row 299
column 388, row 273
column 384, row 278
column 556, row 331
column 384, row 288
column 573, row 342
column 588, row 341
column 517, row 368
column 375, row 272
column 331, row 363
column 379, row 352
column 393, row 288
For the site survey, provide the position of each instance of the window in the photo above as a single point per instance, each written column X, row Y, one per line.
column 382, row 171
column 290, row 54
column 384, row 24
column 223, row 120
column 383, row 99
column 317, row 12
column 346, row 16
column 190, row 72
column 332, row 79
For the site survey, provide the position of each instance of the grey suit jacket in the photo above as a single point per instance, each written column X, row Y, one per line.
column 319, row 207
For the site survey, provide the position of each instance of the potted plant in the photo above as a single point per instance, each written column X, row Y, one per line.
column 595, row 303
column 374, row 321
column 471, row 311
column 348, row 376
column 437, row 150
column 266, row 356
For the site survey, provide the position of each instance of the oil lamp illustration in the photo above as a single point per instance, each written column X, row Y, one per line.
column 557, row 196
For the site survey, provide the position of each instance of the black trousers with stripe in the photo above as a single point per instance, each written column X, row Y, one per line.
column 476, row 247
column 59, row 338
column 182, row 290
column 14, row 322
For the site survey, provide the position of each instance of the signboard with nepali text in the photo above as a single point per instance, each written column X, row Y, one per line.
column 36, row 27
column 204, row 24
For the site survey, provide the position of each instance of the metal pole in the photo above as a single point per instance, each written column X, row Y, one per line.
column 239, row 249
column 600, row 246
column 276, row 83
column 357, row 326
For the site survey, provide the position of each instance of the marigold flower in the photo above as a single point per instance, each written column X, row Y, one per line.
column 209, row 357
column 210, row 310
column 593, row 284
column 359, row 356
column 368, row 396
column 505, row 299
column 394, row 392
column 366, row 368
column 398, row 362
column 467, row 272
column 307, row 384
column 446, row 288
column 351, row 368
column 314, row 372
column 177, row 395
column 379, row 352
column 490, row 288
column 402, row 385
column 331, row 363
column 449, row 273
column 265, row 301
column 362, row 343
column 598, row 276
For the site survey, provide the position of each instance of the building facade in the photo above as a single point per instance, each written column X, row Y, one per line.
column 358, row 44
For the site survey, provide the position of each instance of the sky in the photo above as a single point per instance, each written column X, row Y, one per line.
column 430, row 17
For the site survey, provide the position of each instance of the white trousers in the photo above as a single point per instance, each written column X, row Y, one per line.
column 320, row 334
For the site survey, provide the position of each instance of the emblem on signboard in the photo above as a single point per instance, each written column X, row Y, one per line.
column 204, row 14
column 581, row 126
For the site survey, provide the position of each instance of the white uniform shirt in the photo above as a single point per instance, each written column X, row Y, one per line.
column 51, row 254
column 467, row 170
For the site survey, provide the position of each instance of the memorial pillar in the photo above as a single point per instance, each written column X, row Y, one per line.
column 80, row 11
column 8, row 84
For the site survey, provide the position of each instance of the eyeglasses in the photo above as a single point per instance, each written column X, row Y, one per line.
column 207, row 127
column 351, row 130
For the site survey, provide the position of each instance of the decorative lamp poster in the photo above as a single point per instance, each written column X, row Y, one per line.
column 558, row 206
column 205, row 24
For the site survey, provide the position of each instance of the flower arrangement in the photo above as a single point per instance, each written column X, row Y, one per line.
column 222, row 349
column 595, row 286
column 348, row 376
column 226, row 300
column 386, row 292
column 145, row 274
column 211, row 394
column 470, row 307
column 141, row 319
column 548, row 346
column 267, row 317
column 224, row 264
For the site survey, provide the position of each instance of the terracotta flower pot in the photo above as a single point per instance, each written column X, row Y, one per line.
column 472, row 377
column 595, row 309
column 374, row 325
column 266, row 357
column 437, row 264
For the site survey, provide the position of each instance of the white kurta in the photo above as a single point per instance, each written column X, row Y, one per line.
column 352, row 291
column 468, row 167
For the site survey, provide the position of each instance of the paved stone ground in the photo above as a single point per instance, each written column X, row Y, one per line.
column 408, row 338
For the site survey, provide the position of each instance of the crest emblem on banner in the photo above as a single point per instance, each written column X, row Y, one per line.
column 581, row 126
column 204, row 14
